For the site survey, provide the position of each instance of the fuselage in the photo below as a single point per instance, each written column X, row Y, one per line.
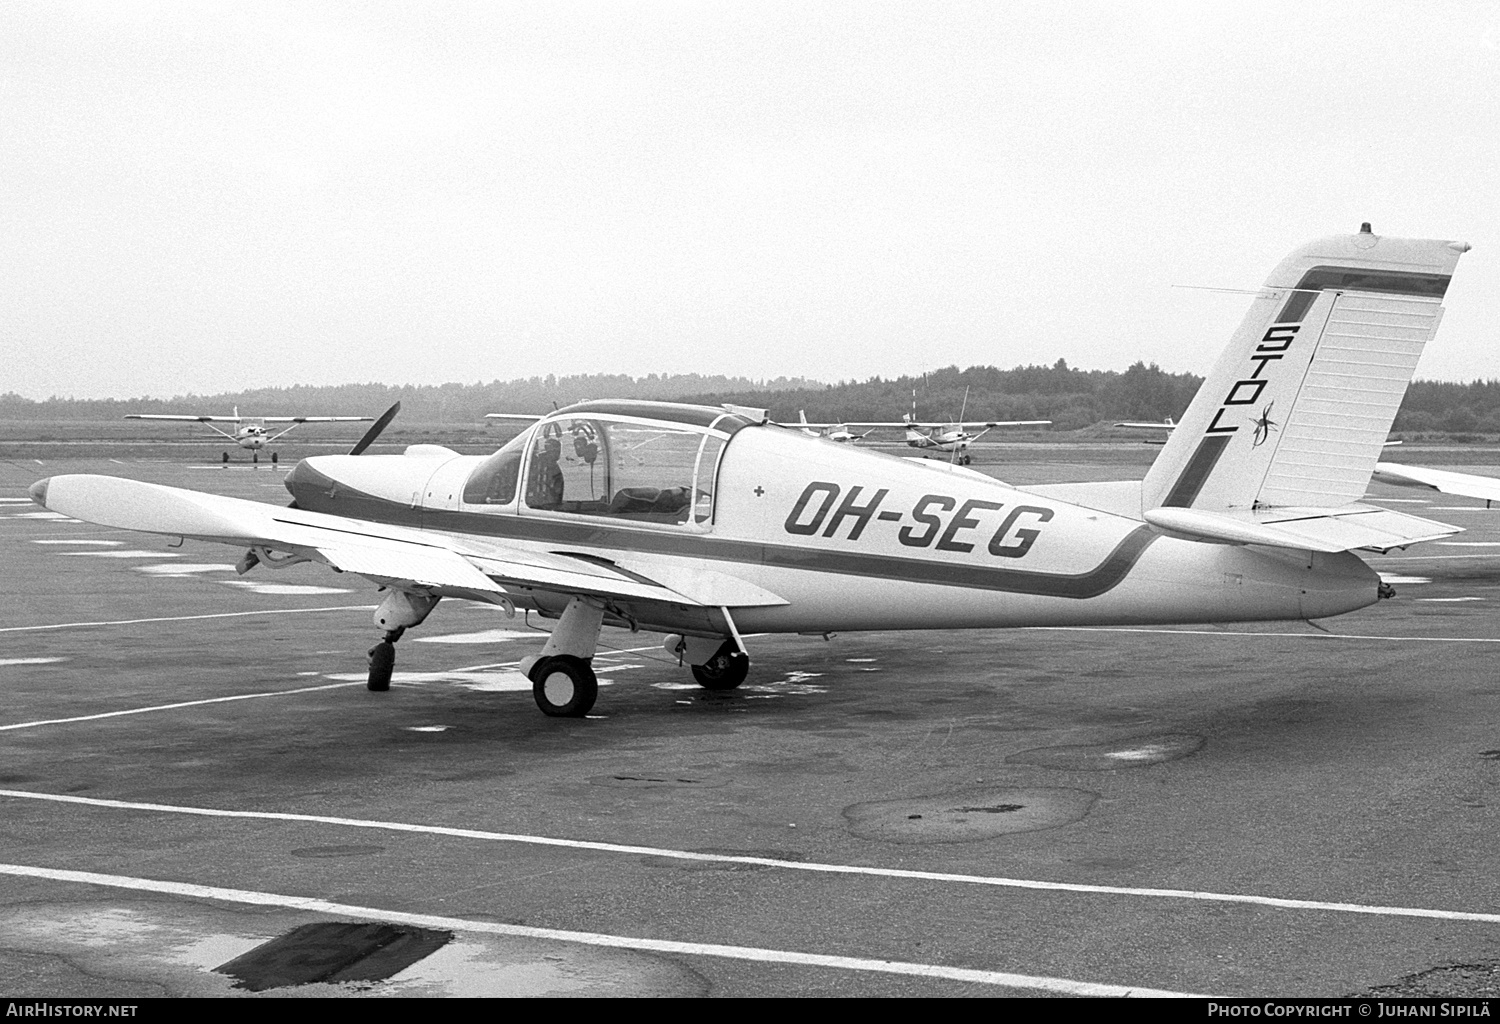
column 851, row 539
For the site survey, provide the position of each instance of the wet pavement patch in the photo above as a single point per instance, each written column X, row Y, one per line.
column 337, row 851
column 333, row 951
column 968, row 815
column 1135, row 752
column 648, row 780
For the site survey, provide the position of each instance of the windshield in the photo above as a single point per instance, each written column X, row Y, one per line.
column 494, row 482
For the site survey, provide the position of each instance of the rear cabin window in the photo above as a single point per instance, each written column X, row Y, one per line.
column 632, row 471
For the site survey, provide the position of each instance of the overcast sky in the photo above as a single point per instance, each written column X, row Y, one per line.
column 200, row 197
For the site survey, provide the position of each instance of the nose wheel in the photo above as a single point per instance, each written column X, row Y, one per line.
column 383, row 661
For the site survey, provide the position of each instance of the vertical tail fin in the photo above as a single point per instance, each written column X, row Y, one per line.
column 1298, row 406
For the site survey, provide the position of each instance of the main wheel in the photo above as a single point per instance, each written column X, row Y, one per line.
column 382, row 663
column 564, row 686
column 275, row 458
column 725, row 670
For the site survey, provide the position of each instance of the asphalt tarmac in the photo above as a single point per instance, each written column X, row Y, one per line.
column 192, row 773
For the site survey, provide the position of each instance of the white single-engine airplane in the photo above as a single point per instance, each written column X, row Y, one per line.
column 839, row 432
column 707, row 524
column 946, row 437
column 250, row 431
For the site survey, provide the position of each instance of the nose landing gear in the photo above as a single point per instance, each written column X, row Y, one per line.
column 383, row 660
column 399, row 610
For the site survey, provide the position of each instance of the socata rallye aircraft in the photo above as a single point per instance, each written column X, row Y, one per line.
column 710, row 524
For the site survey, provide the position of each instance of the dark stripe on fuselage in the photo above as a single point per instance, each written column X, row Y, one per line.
column 1185, row 490
column 594, row 534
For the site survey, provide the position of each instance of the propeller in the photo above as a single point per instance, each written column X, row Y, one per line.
column 375, row 429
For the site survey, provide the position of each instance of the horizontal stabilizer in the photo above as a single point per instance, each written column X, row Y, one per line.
column 1306, row 529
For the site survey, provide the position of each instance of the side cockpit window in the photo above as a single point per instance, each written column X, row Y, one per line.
column 494, row 482
column 639, row 472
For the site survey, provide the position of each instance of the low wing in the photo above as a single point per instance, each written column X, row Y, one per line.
column 1444, row 481
column 388, row 555
column 519, row 417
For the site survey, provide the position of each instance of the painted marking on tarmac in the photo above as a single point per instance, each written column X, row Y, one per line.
column 487, row 636
column 127, row 553
column 762, row 955
column 190, row 618
column 15, row 501
column 183, row 568
column 789, row 865
column 1461, row 508
column 1448, row 600
column 1283, row 636
column 1387, row 577
column 172, row 707
column 1468, row 543
column 96, row 543
column 30, row 661
column 283, row 589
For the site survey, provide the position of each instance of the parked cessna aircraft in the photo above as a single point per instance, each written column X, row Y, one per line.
column 947, row 437
column 839, row 432
column 718, row 524
column 250, row 432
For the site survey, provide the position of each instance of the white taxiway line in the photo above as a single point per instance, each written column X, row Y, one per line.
column 1282, row 636
column 847, row 963
column 189, row 618
column 170, row 707
column 769, row 862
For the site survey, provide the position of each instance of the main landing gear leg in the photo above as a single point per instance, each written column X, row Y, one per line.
column 399, row 611
column 562, row 676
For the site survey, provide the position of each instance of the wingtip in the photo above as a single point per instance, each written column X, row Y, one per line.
column 38, row 491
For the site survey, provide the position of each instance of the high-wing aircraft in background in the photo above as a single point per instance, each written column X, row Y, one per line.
column 250, row 431
column 839, row 432
column 709, row 525
column 954, row 436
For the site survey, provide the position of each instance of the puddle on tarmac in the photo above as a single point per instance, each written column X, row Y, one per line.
column 1134, row 752
column 968, row 815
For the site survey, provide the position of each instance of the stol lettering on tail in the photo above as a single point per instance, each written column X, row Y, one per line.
column 710, row 524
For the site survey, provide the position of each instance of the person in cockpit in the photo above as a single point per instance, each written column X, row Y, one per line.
column 544, row 487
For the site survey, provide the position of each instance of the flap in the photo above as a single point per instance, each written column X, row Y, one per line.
column 1306, row 529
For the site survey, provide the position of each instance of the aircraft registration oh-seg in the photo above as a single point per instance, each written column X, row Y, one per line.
column 250, row 431
column 711, row 524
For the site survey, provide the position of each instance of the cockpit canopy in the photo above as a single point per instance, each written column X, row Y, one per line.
column 646, row 462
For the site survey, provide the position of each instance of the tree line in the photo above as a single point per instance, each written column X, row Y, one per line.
column 1071, row 398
